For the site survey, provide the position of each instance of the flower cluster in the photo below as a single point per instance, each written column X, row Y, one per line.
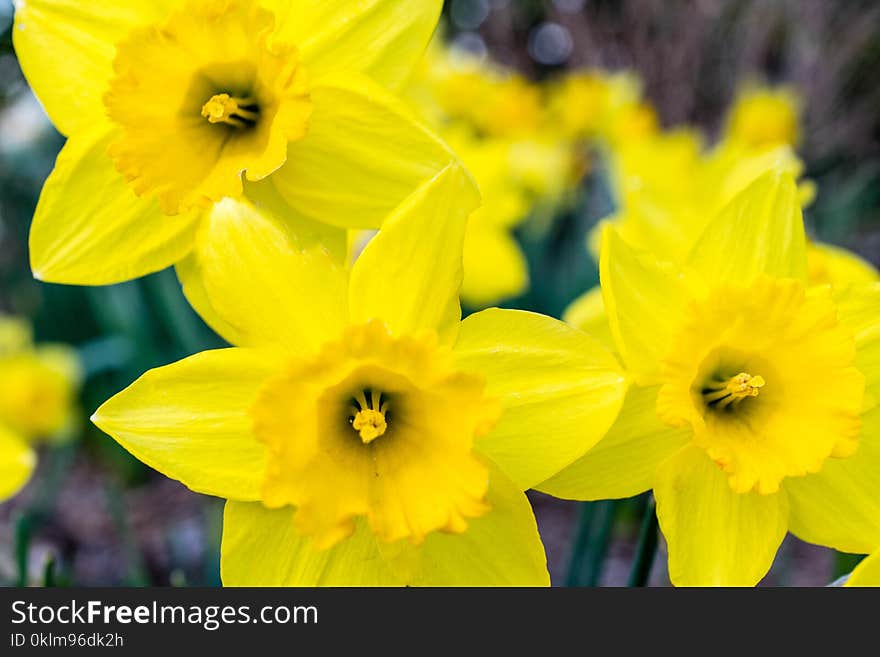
column 360, row 430
column 528, row 146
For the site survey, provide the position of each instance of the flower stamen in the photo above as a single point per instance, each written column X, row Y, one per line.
column 721, row 393
column 370, row 424
column 237, row 112
column 369, row 415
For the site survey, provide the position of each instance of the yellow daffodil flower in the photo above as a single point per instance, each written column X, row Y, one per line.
column 495, row 267
column 764, row 117
column 17, row 462
column 826, row 265
column 669, row 190
column 756, row 405
column 518, row 180
column 866, row 573
column 494, row 120
column 172, row 105
column 447, row 84
column 669, row 223
column 513, row 108
column 37, row 400
column 578, row 103
column 546, row 168
column 452, row 85
column 593, row 105
column 361, row 432
column 38, row 383
column 667, row 187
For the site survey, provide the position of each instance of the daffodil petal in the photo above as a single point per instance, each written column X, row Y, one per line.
column 866, row 573
column 267, row 285
column 261, row 548
column 409, row 275
column 383, row 38
column 66, row 49
column 761, row 231
column 715, row 537
column 17, row 462
column 363, row 155
column 495, row 267
column 91, row 229
column 309, row 234
column 624, row 463
column 501, row 548
column 190, row 421
column 858, row 308
column 839, row 506
column 643, row 302
column 560, row 390
column 829, row 264
column 587, row 313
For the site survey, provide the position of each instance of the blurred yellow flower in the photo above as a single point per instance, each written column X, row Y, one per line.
column 495, row 267
column 375, row 439
column 527, row 169
column 545, row 167
column 513, row 107
column 519, row 179
column 668, row 188
column 454, row 86
column 38, row 386
column 578, row 103
column 17, row 462
column 764, row 117
column 832, row 265
column 171, row 105
column 597, row 106
column 727, row 423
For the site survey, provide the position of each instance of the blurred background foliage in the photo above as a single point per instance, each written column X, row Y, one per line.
column 94, row 515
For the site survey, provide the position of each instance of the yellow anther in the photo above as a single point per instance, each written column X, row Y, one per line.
column 370, row 424
column 237, row 112
column 721, row 394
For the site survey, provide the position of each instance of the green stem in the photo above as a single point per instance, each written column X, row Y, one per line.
column 49, row 579
column 647, row 547
column 591, row 543
column 22, row 548
column 607, row 514
column 581, row 543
